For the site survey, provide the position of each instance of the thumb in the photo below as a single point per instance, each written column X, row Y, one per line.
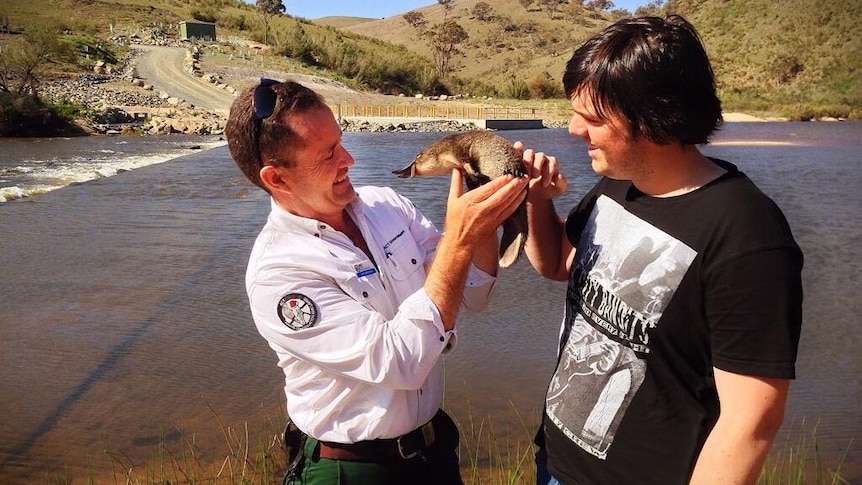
column 456, row 188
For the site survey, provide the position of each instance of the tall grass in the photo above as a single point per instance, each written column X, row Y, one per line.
column 490, row 455
column 799, row 462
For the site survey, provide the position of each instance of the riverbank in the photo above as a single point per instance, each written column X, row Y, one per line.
column 121, row 102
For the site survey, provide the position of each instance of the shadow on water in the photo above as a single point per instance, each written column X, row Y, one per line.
column 121, row 351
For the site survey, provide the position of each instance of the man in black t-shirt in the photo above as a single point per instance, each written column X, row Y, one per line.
column 683, row 307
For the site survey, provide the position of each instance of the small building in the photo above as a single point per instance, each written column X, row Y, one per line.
column 197, row 30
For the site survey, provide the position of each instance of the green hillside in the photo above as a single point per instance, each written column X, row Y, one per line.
column 804, row 56
column 795, row 58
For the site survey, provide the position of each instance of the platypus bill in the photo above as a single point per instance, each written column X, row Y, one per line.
column 482, row 156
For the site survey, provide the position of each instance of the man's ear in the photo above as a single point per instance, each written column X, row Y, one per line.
column 274, row 179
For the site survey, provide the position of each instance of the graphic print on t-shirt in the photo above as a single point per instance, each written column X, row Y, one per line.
column 626, row 271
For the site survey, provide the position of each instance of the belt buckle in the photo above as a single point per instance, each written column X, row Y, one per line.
column 428, row 436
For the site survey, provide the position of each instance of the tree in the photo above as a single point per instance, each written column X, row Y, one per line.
column 482, row 11
column 550, row 6
column 652, row 8
column 600, row 5
column 267, row 9
column 448, row 5
column 415, row 19
column 21, row 61
column 445, row 39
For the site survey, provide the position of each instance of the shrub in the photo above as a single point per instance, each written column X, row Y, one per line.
column 27, row 115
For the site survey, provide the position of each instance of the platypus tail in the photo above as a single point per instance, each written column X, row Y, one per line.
column 514, row 237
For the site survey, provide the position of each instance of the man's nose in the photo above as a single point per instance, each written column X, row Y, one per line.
column 577, row 127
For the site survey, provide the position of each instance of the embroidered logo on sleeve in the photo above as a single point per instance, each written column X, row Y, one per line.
column 297, row 311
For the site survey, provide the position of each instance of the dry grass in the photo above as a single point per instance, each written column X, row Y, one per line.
column 796, row 58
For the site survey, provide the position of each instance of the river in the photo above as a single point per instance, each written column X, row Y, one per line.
column 124, row 323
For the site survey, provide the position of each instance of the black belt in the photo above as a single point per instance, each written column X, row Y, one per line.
column 404, row 447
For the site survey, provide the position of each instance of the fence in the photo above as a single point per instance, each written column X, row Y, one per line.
column 447, row 112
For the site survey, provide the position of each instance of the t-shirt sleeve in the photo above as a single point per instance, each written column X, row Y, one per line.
column 754, row 306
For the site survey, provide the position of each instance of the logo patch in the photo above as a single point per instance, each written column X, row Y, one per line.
column 297, row 311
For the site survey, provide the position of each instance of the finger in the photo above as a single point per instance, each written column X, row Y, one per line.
column 514, row 199
column 508, row 188
column 550, row 171
column 487, row 190
column 530, row 162
column 561, row 183
column 540, row 165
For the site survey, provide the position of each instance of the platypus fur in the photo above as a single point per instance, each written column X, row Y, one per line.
column 482, row 156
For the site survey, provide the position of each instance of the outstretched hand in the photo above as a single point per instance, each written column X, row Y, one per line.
column 546, row 180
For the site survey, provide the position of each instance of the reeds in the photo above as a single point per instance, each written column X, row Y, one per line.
column 490, row 455
column 799, row 462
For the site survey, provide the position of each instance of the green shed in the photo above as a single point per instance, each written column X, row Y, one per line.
column 195, row 29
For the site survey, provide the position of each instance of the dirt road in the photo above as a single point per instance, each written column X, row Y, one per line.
column 163, row 68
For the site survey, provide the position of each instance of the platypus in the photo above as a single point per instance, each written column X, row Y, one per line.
column 482, row 156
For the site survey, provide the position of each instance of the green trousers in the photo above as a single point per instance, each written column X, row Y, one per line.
column 437, row 466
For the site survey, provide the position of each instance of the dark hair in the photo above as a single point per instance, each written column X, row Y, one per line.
column 255, row 141
column 652, row 71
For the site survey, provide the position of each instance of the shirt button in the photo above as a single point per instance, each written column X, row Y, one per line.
column 442, row 339
column 365, row 294
column 317, row 235
column 413, row 260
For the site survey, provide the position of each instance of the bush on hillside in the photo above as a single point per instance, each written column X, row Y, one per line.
column 27, row 115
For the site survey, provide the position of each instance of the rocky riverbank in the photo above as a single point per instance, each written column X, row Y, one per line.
column 123, row 104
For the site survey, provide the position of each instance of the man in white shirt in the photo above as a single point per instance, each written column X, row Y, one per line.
column 358, row 293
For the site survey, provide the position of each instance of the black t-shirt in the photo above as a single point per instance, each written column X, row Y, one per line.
column 661, row 291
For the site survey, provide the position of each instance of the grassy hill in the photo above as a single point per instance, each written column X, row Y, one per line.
column 796, row 58
column 803, row 57
column 506, row 45
column 341, row 22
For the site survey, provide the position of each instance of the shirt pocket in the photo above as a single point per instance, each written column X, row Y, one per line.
column 364, row 284
column 404, row 258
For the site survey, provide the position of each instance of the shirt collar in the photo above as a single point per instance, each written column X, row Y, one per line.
column 292, row 222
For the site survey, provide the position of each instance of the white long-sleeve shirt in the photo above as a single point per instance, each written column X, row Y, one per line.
column 360, row 345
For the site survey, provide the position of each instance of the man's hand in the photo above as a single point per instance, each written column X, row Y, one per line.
column 546, row 181
column 471, row 219
column 474, row 216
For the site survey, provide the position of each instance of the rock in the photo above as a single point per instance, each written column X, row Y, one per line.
column 112, row 116
column 355, row 126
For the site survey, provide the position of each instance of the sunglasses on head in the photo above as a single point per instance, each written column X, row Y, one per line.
column 264, row 98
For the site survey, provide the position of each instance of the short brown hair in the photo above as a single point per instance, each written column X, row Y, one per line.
column 255, row 141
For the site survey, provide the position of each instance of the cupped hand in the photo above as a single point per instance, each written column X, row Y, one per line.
column 475, row 215
column 546, row 180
